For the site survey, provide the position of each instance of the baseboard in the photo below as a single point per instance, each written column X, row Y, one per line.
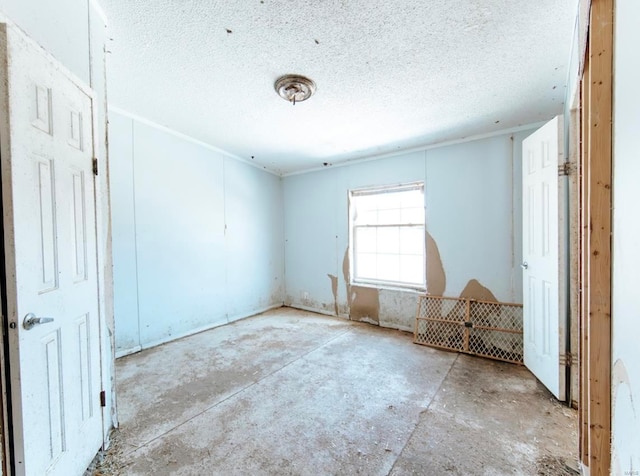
column 311, row 309
column 197, row 330
column 125, row 352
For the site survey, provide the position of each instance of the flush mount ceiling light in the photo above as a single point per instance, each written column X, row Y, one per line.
column 294, row 88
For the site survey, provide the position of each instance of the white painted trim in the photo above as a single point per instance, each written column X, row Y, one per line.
column 422, row 148
column 100, row 11
column 311, row 309
column 245, row 315
column 197, row 330
column 584, row 470
column 572, row 85
column 130, row 350
column 397, row 328
column 188, row 138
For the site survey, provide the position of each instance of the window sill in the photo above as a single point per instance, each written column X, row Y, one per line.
column 389, row 287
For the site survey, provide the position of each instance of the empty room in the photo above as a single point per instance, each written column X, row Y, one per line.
column 308, row 238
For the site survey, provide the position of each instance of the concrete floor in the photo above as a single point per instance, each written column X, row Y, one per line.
column 290, row 392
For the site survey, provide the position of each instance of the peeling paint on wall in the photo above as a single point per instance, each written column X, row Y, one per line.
column 625, row 419
column 621, row 378
column 365, row 305
column 436, row 277
column 334, row 290
column 347, row 276
column 475, row 290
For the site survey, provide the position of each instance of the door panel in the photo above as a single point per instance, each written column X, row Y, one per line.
column 50, row 246
column 543, row 256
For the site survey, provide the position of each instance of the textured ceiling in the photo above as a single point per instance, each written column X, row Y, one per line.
column 390, row 75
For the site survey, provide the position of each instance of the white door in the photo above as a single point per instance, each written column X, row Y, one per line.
column 543, row 256
column 50, row 246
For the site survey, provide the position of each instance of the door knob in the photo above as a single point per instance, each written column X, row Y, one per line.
column 30, row 320
column 524, row 265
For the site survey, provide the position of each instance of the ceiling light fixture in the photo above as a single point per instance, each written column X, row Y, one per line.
column 295, row 88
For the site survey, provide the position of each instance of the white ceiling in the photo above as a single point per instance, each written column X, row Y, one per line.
column 390, row 75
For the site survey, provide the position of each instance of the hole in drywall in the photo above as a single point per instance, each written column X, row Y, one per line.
column 228, row 31
column 317, row 42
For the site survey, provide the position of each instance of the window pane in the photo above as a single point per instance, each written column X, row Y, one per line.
column 390, row 200
column 412, row 269
column 412, row 215
column 412, row 240
column 389, row 217
column 366, row 202
column 413, row 198
column 388, row 234
column 388, row 240
column 389, row 267
column 367, row 217
column 366, row 266
column 365, row 240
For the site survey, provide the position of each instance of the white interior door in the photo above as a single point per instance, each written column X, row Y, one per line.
column 50, row 247
column 543, row 256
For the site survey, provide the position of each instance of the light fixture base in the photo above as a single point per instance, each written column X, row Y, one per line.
column 294, row 88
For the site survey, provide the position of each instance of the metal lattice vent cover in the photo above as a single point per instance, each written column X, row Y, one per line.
column 295, row 88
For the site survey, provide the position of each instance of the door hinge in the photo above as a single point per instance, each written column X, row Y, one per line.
column 565, row 168
column 567, row 360
column 103, row 399
column 95, row 165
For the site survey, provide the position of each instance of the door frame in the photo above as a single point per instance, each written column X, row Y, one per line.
column 103, row 259
column 595, row 250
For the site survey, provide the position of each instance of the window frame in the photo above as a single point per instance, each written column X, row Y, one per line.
column 378, row 190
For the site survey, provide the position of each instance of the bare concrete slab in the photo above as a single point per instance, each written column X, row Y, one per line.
column 290, row 392
column 492, row 418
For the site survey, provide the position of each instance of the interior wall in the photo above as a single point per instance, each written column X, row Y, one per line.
column 473, row 213
column 197, row 236
column 626, row 242
column 61, row 27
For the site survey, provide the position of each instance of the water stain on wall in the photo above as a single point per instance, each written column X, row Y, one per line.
column 334, row 290
column 436, row 277
column 475, row 290
column 363, row 302
column 347, row 276
column 365, row 305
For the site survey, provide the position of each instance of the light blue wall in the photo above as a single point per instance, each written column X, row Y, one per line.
column 197, row 236
column 60, row 26
column 625, row 374
column 473, row 204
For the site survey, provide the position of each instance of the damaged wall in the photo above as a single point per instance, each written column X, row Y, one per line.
column 625, row 373
column 473, row 203
column 197, row 236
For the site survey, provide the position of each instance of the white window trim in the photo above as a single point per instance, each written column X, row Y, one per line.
column 384, row 284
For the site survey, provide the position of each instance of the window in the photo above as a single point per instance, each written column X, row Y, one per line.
column 387, row 236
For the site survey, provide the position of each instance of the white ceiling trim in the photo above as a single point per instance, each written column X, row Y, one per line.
column 438, row 145
column 188, row 138
column 100, row 11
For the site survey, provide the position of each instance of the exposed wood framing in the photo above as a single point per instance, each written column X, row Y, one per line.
column 596, row 239
column 584, row 259
column 583, row 251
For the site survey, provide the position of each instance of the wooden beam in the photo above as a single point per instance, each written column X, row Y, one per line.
column 599, row 243
column 583, row 314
